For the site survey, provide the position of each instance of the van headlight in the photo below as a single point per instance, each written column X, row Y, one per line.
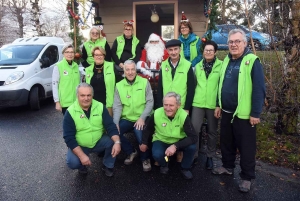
column 14, row 77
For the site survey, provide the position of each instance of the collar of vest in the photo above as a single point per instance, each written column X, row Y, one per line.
column 77, row 107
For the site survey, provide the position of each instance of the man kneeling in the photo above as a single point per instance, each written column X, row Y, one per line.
column 84, row 125
column 173, row 131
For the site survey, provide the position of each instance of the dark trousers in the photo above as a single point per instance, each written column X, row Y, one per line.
column 242, row 136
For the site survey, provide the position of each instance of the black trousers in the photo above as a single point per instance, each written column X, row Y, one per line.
column 238, row 135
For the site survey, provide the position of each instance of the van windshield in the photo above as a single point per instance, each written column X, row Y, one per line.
column 19, row 54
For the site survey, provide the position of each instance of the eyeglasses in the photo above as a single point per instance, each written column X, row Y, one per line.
column 127, row 29
column 236, row 42
column 184, row 28
column 94, row 33
column 98, row 55
column 69, row 52
column 208, row 51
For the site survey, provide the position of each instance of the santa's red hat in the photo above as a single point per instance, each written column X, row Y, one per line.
column 155, row 37
column 183, row 17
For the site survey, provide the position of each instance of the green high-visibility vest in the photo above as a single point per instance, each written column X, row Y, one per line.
column 179, row 83
column 88, row 130
column 133, row 98
column 69, row 79
column 90, row 45
column 109, row 80
column 243, row 109
column 121, row 45
column 207, row 88
column 168, row 131
column 193, row 49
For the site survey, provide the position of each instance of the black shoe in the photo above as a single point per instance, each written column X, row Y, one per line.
column 83, row 170
column 164, row 170
column 108, row 171
column 187, row 174
column 209, row 163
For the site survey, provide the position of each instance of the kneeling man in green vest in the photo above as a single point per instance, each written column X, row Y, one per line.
column 172, row 131
column 87, row 128
column 133, row 103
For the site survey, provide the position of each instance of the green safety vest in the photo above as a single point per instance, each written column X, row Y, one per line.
column 207, row 88
column 133, row 98
column 179, row 83
column 90, row 45
column 193, row 49
column 243, row 109
column 69, row 79
column 88, row 130
column 109, row 79
column 168, row 131
column 121, row 45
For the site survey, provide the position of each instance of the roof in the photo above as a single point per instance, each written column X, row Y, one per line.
column 38, row 40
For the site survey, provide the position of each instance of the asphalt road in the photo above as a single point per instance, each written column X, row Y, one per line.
column 32, row 167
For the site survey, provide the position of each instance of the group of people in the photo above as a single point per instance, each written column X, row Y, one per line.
column 99, row 111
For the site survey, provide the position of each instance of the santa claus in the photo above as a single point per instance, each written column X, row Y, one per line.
column 153, row 54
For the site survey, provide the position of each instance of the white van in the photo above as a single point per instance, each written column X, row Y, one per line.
column 26, row 67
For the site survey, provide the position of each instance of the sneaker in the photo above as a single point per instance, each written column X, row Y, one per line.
column 164, row 169
column 209, row 163
column 244, row 186
column 187, row 174
column 222, row 170
column 83, row 170
column 129, row 159
column 146, row 165
column 108, row 171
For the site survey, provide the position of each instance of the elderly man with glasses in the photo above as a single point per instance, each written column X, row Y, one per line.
column 240, row 100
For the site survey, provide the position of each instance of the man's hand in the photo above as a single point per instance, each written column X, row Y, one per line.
column 115, row 150
column 121, row 65
column 253, row 121
column 85, row 160
column 139, row 124
column 218, row 112
column 58, row 106
column 143, row 147
column 170, row 151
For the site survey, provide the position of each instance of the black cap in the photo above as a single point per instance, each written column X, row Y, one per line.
column 173, row 43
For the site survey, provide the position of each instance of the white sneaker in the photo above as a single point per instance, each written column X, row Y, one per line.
column 129, row 159
column 146, row 165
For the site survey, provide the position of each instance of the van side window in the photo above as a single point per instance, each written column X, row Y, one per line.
column 52, row 54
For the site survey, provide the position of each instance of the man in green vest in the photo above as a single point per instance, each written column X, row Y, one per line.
column 133, row 103
column 172, row 131
column 87, row 128
column 240, row 100
column 176, row 74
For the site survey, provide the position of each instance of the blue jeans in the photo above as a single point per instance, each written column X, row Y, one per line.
column 104, row 144
column 126, row 126
column 158, row 153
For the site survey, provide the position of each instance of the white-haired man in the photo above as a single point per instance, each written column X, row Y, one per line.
column 153, row 55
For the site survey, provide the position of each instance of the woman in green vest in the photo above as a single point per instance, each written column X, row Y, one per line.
column 126, row 47
column 65, row 78
column 97, row 38
column 102, row 77
column 207, row 74
column 190, row 42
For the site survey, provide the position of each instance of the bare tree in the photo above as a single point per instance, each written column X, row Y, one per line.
column 36, row 14
column 18, row 10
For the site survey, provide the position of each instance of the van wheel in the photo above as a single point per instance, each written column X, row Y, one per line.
column 34, row 100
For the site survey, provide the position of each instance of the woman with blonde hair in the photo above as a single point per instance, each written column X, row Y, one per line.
column 96, row 39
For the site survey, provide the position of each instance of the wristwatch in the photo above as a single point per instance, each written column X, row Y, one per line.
column 118, row 142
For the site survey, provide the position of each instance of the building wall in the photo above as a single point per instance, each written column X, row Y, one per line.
column 114, row 12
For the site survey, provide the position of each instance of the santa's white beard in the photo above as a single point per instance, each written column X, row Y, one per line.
column 155, row 52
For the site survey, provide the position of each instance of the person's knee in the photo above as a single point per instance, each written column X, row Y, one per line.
column 191, row 148
column 157, row 154
column 73, row 163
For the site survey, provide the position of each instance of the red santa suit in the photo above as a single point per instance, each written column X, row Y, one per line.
column 152, row 55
